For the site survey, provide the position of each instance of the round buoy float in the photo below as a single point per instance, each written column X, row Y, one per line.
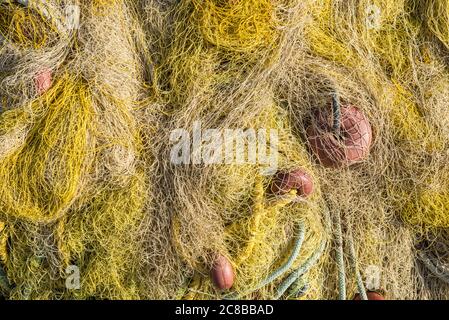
column 371, row 296
column 222, row 273
column 298, row 179
column 351, row 146
column 43, row 81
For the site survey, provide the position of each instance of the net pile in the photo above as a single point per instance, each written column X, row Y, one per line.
column 101, row 168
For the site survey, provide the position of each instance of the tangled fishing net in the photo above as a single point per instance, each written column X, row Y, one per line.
column 102, row 170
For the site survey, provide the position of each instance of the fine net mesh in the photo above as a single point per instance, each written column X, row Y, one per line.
column 94, row 94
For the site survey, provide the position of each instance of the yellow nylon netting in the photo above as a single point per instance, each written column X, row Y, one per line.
column 87, row 178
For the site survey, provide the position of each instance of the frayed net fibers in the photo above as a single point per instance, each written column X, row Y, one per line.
column 89, row 113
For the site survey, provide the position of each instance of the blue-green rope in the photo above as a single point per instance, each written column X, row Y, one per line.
column 308, row 264
column 340, row 260
column 299, row 288
column 294, row 255
column 336, row 114
column 360, row 285
column 282, row 269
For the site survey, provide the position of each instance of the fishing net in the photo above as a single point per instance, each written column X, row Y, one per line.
column 119, row 151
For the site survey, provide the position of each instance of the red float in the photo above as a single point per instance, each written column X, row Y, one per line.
column 43, row 81
column 350, row 147
column 222, row 273
column 371, row 296
column 299, row 180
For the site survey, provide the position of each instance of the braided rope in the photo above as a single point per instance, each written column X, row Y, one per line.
column 340, row 260
column 299, row 288
column 353, row 257
column 336, row 114
column 282, row 269
column 305, row 267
